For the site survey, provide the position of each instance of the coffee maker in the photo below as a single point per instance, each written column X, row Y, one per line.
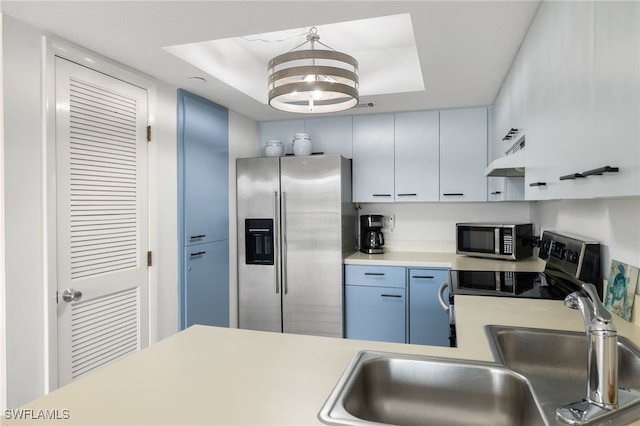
column 371, row 238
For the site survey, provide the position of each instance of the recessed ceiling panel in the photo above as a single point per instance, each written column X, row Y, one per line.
column 385, row 48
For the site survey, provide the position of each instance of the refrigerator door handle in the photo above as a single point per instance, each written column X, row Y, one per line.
column 276, row 241
column 283, row 214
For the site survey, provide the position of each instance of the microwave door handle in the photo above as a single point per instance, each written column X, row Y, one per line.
column 443, row 304
column 496, row 235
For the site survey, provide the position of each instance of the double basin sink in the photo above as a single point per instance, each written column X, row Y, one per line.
column 536, row 371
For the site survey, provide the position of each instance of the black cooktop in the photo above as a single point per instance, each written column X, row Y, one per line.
column 532, row 285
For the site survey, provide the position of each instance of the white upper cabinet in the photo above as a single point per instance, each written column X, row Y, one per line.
column 614, row 130
column 373, row 158
column 417, row 164
column 563, row 99
column 331, row 135
column 463, row 154
column 573, row 90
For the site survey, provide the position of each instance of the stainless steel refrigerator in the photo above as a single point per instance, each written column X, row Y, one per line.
column 295, row 223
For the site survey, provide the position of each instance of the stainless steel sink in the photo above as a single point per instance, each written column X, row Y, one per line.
column 400, row 389
column 555, row 363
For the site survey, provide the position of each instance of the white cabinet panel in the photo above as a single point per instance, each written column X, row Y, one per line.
column 582, row 102
column 373, row 158
column 463, row 154
column 417, row 167
column 331, row 135
column 615, row 131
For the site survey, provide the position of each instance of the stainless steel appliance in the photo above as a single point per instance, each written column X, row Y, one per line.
column 371, row 238
column 295, row 222
column 493, row 240
column 570, row 261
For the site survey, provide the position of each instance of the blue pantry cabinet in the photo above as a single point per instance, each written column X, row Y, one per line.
column 203, row 193
column 375, row 303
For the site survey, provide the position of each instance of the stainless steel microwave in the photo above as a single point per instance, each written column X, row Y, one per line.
column 493, row 240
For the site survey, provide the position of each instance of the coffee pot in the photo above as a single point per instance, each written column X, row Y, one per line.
column 371, row 237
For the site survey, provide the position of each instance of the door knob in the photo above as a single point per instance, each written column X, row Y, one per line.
column 71, row 295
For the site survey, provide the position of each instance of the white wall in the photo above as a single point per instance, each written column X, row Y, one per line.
column 243, row 134
column 434, row 223
column 24, row 206
column 3, row 360
column 613, row 222
column 163, row 207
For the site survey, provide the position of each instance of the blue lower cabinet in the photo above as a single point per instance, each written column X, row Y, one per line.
column 206, row 294
column 375, row 313
column 428, row 323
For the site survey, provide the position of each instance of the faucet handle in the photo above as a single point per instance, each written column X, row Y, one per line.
column 599, row 309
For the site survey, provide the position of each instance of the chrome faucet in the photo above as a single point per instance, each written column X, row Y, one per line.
column 602, row 369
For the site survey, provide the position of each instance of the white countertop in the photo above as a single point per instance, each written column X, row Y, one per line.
column 425, row 259
column 219, row 376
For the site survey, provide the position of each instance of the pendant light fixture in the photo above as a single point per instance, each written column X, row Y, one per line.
column 313, row 80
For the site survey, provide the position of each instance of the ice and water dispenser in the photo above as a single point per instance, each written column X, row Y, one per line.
column 259, row 241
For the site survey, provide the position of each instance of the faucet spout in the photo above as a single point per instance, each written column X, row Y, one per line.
column 602, row 372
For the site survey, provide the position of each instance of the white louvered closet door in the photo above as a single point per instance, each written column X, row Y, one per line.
column 101, row 186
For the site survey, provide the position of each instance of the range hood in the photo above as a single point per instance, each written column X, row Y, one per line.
column 511, row 165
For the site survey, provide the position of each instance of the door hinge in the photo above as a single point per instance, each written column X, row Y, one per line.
column 149, row 258
column 148, row 133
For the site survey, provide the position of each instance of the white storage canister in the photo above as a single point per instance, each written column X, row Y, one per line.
column 302, row 144
column 273, row 148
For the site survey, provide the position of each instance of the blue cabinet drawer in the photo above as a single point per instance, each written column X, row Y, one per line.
column 376, row 276
column 430, row 276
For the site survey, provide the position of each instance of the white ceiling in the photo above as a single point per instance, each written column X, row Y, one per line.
column 384, row 47
column 465, row 48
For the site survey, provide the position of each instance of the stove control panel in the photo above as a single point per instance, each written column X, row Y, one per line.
column 573, row 255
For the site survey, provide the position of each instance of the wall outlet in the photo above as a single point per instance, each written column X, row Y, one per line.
column 391, row 221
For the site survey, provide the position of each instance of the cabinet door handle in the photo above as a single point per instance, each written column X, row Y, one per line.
column 572, row 176
column 496, row 192
column 600, row 171
column 381, row 195
column 453, row 194
column 391, row 295
column 408, row 195
column 198, row 253
column 195, row 237
column 378, row 274
column 427, row 277
column 538, row 184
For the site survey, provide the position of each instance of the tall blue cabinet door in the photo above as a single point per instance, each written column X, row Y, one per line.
column 207, row 284
column 428, row 323
column 205, row 135
column 375, row 313
column 203, row 211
